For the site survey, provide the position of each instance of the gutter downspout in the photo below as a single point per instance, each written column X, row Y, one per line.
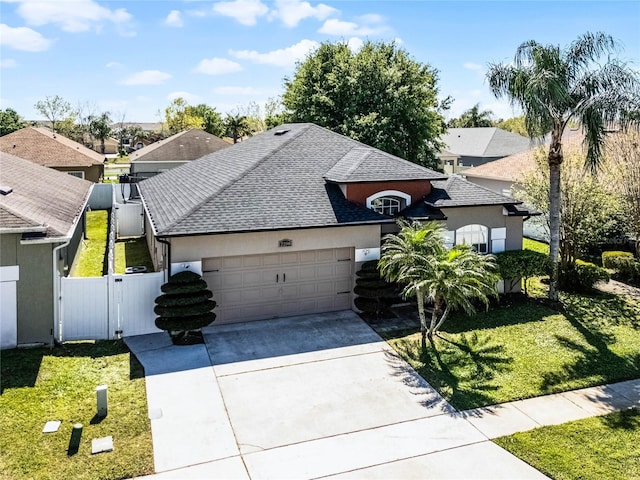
column 57, row 298
column 168, row 244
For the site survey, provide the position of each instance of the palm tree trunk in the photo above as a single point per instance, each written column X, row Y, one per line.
column 442, row 320
column 423, row 319
column 555, row 160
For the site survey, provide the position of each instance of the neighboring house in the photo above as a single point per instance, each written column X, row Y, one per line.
column 173, row 152
column 279, row 224
column 110, row 146
column 41, row 225
column 477, row 146
column 41, row 146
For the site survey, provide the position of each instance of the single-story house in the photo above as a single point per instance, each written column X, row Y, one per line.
column 40, row 145
column 174, row 151
column 41, row 226
column 279, row 224
column 470, row 147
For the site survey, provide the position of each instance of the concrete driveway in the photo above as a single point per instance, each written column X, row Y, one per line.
column 305, row 397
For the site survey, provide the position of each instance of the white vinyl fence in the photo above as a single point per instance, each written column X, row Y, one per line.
column 108, row 307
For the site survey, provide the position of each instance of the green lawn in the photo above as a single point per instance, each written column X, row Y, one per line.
column 42, row 384
column 92, row 255
column 132, row 252
column 536, row 246
column 523, row 348
column 591, row 449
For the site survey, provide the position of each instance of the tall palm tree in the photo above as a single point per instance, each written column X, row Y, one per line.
column 473, row 118
column 554, row 87
column 450, row 279
column 236, row 126
column 100, row 128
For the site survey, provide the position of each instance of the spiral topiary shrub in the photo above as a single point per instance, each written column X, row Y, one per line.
column 375, row 295
column 184, row 307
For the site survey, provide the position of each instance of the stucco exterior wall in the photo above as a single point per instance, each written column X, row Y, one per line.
column 34, row 288
column 187, row 249
column 489, row 216
column 94, row 173
column 494, row 185
column 359, row 192
column 148, row 169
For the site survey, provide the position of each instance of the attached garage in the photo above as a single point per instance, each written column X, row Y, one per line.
column 252, row 287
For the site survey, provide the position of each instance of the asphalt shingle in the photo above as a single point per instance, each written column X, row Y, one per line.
column 183, row 146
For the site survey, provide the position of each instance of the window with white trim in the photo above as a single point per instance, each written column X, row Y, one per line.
column 79, row 174
column 388, row 202
column 475, row 235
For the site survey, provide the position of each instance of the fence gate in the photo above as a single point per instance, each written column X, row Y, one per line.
column 108, row 307
column 129, row 219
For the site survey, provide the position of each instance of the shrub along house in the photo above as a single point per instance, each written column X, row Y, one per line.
column 279, row 224
column 41, row 225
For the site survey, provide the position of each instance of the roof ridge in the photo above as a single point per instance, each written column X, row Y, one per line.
column 236, row 178
column 515, row 202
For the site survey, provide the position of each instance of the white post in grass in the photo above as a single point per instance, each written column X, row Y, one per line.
column 101, row 397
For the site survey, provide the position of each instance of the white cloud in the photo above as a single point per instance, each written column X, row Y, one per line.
column 340, row 28
column 245, row 12
column 237, row 91
column 355, row 44
column 217, row 66
column 146, row 77
column 371, row 18
column 113, row 65
column 472, row 66
column 291, row 12
column 284, row 57
column 8, row 63
column 189, row 97
column 23, row 38
column 174, row 19
column 76, row 16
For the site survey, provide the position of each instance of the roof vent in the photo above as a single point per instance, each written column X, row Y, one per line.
column 14, row 145
column 280, row 132
column 5, row 190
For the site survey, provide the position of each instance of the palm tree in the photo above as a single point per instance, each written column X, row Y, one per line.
column 554, row 87
column 450, row 279
column 236, row 126
column 100, row 128
column 473, row 118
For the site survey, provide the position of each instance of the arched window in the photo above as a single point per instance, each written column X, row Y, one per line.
column 389, row 202
column 475, row 235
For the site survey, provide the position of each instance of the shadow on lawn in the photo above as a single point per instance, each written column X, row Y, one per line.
column 594, row 317
column 20, row 367
column 625, row 420
column 461, row 371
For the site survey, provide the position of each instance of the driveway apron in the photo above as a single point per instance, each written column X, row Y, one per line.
column 306, row 397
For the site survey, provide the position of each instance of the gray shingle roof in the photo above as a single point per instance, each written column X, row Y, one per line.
column 41, row 197
column 366, row 164
column 183, row 146
column 267, row 182
column 484, row 142
column 457, row 192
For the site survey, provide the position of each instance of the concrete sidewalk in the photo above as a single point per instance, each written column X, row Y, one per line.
column 324, row 396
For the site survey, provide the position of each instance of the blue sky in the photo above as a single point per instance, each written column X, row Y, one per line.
column 132, row 58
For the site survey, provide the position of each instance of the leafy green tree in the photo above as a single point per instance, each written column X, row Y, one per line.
column 68, row 127
column 100, row 128
column 237, row 127
column 452, row 279
column 473, row 118
column 180, row 117
column 378, row 95
column 54, row 109
column 274, row 113
column 211, row 119
column 515, row 125
column 10, row 121
column 588, row 210
column 555, row 86
column 622, row 178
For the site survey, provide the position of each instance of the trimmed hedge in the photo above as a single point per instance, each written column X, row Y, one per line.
column 611, row 259
column 581, row 277
column 375, row 294
column 184, row 306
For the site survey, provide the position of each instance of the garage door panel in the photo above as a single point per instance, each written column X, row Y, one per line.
column 288, row 283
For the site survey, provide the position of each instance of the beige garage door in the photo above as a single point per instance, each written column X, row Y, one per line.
column 254, row 287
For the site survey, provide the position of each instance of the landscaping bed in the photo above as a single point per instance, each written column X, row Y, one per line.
column 39, row 385
column 591, row 449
